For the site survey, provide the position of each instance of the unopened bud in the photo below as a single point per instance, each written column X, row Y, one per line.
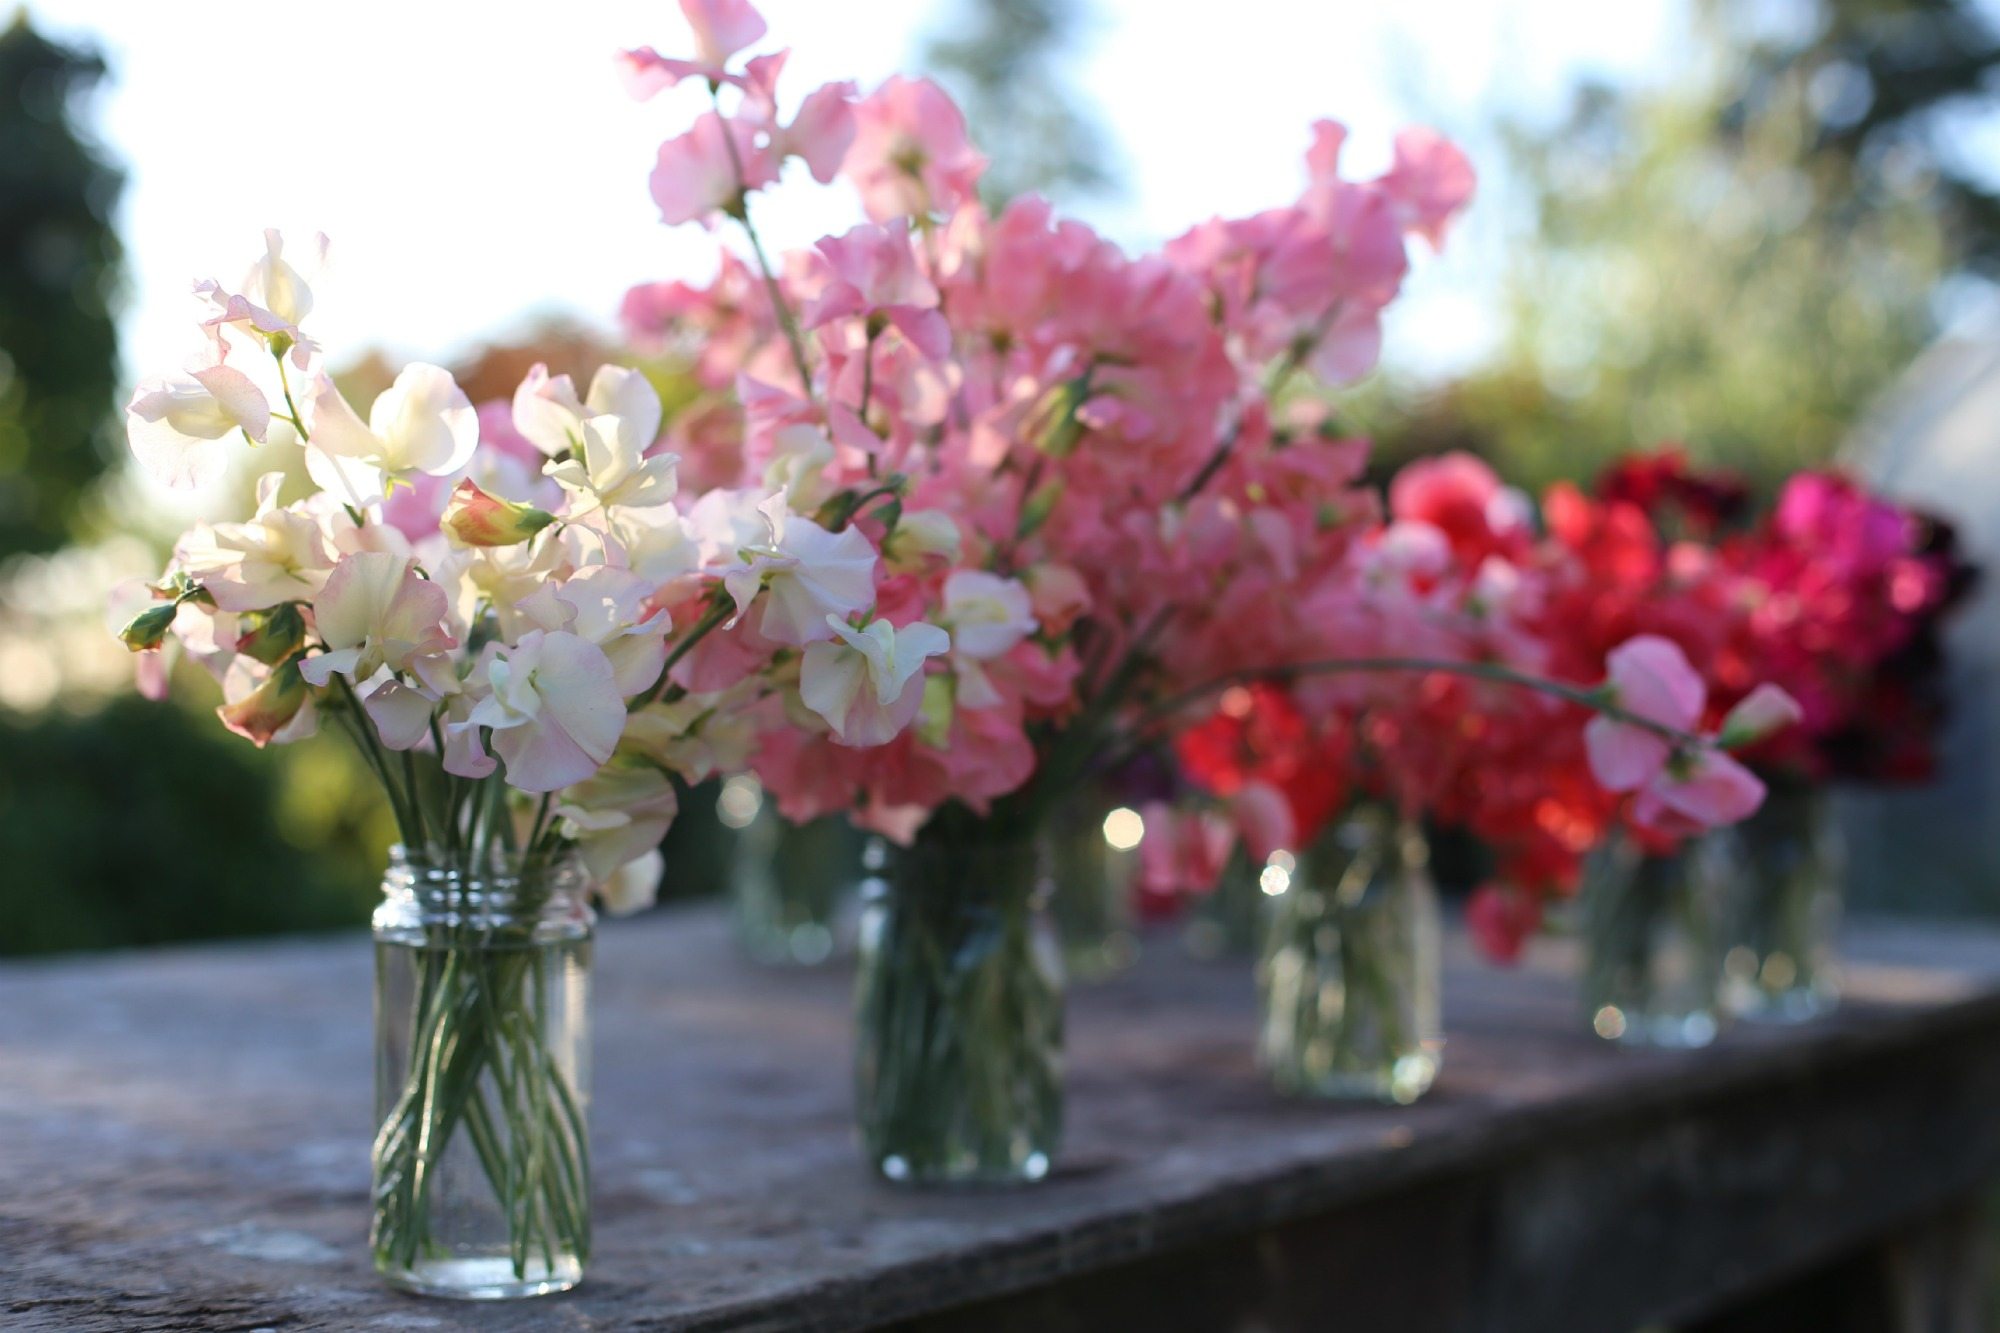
column 272, row 636
column 1764, row 712
column 148, row 629
column 477, row 517
column 921, row 535
column 270, row 708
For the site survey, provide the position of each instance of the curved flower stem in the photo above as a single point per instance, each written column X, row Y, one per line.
column 741, row 212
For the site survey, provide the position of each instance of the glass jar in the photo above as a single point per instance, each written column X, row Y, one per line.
column 959, row 1015
column 1092, row 862
column 790, row 885
column 1349, row 976
column 482, row 1070
column 1650, row 925
column 1229, row 921
column 1783, row 890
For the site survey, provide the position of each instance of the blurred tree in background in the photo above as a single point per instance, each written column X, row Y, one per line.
column 1741, row 260
column 60, row 268
column 1008, row 64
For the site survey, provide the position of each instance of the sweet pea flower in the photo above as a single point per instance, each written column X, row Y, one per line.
column 868, row 683
column 721, row 29
column 911, row 156
column 872, row 272
column 710, row 169
column 822, row 131
column 280, row 555
column 178, row 427
column 1679, row 789
column 986, row 616
column 274, row 299
column 1649, row 677
column 634, row 886
column 552, row 705
column 377, row 612
column 613, row 467
column 1500, row 920
column 611, row 608
column 808, row 575
column 421, row 423
column 1431, row 181
column 549, row 415
column 619, row 813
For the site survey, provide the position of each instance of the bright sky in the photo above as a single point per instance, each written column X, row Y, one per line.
column 475, row 164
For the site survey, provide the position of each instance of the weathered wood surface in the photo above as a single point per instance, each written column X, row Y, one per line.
column 183, row 1146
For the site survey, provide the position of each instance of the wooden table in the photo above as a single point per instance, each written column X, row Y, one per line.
column 183, row 1146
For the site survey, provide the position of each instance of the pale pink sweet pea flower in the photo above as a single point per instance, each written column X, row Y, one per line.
column 822, row 131
column 1431, row 181
column 698, row 175
column 868, row 683
column 1649, row 677
column 552, row 703
column 634, row 886
column 280, row 555
column 421, row 423
column 377, row 612
column 807, row 575
column 872, row 272
column 611, row 468
column 178, row 428
column 1698, row 790
column 721, row 29
column 613, row 609
column 911, row 156
column 274, row 299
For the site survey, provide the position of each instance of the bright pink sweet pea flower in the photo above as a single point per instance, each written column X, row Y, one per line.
column 697, row 175
column 1650, row 678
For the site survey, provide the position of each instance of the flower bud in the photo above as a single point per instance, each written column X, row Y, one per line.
column 477, row 517
column 921, row 535
column 270, row 708
column 272, row 635
column 936, row 713
column 148, row 629
column 1764, row 712
column 1037, row 508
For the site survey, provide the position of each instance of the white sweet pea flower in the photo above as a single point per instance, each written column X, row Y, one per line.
column 551, row 416
column 868, row 683
column 377, row 613
column 986, row 615
column 552, row 704
column 809, row 576
column 280, row 555
column 421, row 423
column 697, row 735
column 634, row 886
column 178, row 427
column 279, row 287
column 801, row 454
column 613, row 469
column 619, row 813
